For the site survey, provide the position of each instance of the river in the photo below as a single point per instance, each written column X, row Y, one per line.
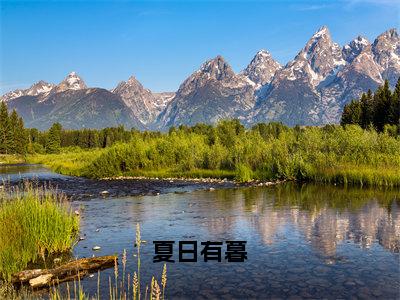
column 307, row 241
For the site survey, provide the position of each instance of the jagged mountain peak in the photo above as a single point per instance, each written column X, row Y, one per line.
column 319, row 58
column 144, row 104
column 132, row 80
column 212, row 93
column 318, row 43
column 217, row 68
column 322, row 31
column 261, row 68
column 387, row 41
column 388, row 34
column 322, row 36
column 71, row 82
column 386, row 50
column 354, row 48
column 263, row 53
column 361, row 40
column 213, row 70
column 39, row 88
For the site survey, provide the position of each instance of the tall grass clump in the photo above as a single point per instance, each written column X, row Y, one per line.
column 34, row 223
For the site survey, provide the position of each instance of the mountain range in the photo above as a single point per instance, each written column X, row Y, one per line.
column 312, row 89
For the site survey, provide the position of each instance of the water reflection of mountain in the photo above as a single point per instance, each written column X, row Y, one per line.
column 325, row 216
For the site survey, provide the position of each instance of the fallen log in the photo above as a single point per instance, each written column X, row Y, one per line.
column 67, row 272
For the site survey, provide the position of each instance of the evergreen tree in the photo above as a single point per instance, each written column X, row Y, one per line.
column 366, row 110
column 5, row 130
column 21, row 138
column 377, row 110
column 394, row 114
column 382, row 101
column 53, row 143
column 351, row 113
column 33, row 135
column 14, row 132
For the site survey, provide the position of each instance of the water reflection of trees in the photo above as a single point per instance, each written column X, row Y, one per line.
column 326, row 216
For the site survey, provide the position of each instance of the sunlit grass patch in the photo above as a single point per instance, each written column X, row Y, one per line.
column 34, row 223
column 11, row 159
column 67, row 162
column 361, row 175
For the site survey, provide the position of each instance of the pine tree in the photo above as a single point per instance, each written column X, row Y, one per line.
column 394, row 113
column 14, row 132
column 21, row 138
column 53, row 143
column 351, row 113
column 366, row 110
column 382, row 101
column 5, row 130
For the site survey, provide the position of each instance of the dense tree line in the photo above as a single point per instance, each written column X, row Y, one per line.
column 380, row 109
column 333, row 153
column 52, row 140
column 16, row 139
column 13, row 136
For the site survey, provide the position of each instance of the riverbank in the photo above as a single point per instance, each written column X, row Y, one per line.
column 333, row 155
column 81, row 188
column 269, row 153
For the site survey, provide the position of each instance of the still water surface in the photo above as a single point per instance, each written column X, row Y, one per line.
column 302, row 241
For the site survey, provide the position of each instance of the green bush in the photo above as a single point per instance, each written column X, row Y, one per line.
column 243, row 173
column 336, row 154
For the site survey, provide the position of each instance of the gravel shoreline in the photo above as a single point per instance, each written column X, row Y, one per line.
column 79, row 188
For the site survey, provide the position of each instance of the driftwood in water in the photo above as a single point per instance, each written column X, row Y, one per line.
column 67, row 272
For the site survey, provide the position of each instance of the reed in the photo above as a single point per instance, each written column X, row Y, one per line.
column 119, row 288
column 34, row 223
column 11, row 159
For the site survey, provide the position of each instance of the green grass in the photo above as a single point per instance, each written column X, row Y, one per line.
column 11, row 159
column 34, row 223
column 348, row 156
column 67, row 162
column 360, row 175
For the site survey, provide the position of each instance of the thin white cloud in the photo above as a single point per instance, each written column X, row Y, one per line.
column 311, row 7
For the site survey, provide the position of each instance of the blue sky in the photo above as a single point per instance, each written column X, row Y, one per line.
column 162, row 42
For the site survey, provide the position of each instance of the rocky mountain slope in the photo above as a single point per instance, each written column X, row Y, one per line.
column 211, row 93
column 73, row 105
column 309, row 90
column 37, row 88
column 262, row 68
column 313, row 88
